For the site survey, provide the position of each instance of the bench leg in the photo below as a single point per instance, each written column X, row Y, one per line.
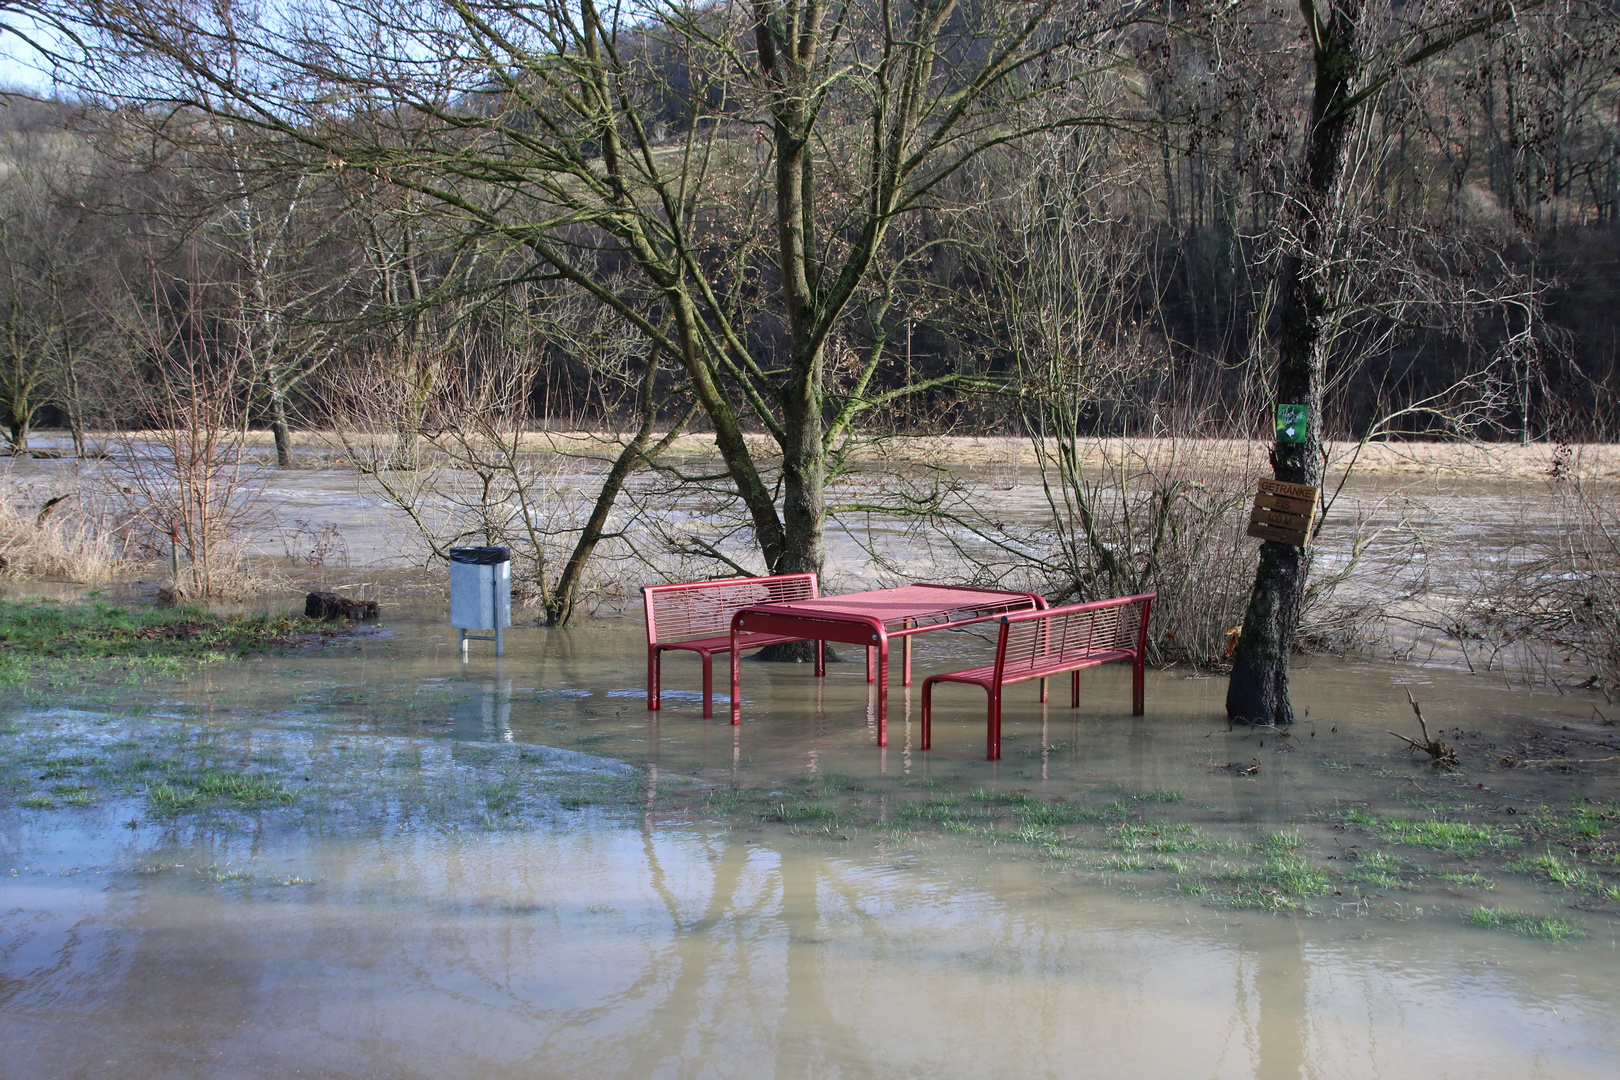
column 1043, row 690
column 736, row 690
column 906, row 645
column 871, row 654
column 993, row 726
column 1074, row 689
column 928, row 714
column 655, row 666
column 708, row 684
column 1138, row 679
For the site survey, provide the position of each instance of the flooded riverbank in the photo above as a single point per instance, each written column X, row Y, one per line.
column 368, row 859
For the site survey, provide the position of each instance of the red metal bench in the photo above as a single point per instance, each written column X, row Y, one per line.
column 1040, row 644
column 696, row 616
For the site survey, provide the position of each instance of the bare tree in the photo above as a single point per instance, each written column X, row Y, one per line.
column 548, row 126
column 1355, row 53
column 47, row 321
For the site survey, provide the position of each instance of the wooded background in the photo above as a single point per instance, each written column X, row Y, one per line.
column 1487, row 186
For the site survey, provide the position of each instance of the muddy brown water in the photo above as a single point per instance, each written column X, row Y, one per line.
column 394, row 933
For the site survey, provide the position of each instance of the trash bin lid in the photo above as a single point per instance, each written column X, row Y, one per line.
column 480, row 556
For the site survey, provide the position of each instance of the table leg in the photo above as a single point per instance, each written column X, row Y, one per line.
column 883, row 690
column 906, row 648
column 870, row 653
column 736, row 693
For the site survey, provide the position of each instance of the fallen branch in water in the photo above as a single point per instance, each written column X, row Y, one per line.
column 1441, row 756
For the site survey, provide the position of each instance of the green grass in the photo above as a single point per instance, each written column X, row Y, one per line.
column 1472, row 881
column 1292, row 874
column 1550, row 867
column 805, row 812
column 1379, row 870
column 501, row 798
column 182, row 789
column 52, row 644
column 1159, row 838
column 1455, row 837
column 1544, row 927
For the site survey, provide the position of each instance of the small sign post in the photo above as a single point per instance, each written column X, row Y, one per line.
column 1283, row 512
column 1291, row 423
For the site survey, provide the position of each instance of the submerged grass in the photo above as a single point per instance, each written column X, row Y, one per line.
column 1144, row 842
column 205, row 778
column 1545, row 927
column 49, row 644
column 1455, row 837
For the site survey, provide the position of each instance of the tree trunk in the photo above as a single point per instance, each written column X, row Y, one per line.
column 17, row 425
column 804, row 477
column 789, row 61
column 280, row 429
column 637, row 452
column 1258, row 691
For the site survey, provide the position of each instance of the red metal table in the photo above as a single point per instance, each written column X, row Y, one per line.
column 871, row 619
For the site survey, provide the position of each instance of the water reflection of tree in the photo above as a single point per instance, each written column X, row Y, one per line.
column 713, row 952
column 1280, row 987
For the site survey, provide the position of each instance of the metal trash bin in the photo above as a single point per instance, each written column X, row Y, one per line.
column 481, row 594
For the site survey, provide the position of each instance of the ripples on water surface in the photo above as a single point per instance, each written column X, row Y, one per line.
column 515, row 870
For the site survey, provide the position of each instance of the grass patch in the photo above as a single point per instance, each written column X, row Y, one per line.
column 1380, row 871
column 1470, row 881
column 61, row 644
column 937, row 810
column 1551, row 868
column 1292, row 874
column 1160, row 838
column 500, row 798
column 804, row 812
column 1455, row 837
column 1054, row 813
column 1544, row 927
column 183, row 790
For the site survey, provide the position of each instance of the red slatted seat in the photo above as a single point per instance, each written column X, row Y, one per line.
column 1040, row 644
column 695, row 616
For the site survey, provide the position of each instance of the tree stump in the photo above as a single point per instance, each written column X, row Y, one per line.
column 329, row 605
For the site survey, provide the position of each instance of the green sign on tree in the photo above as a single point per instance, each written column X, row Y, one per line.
column 1291, row 423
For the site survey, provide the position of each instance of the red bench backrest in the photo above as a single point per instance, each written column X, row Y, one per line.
column 700, row 609
column 1038, row 639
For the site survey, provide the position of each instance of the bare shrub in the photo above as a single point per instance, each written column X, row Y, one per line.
column 1125, row 516
column 1550, row 606
column 190, row 486
column 482, row 477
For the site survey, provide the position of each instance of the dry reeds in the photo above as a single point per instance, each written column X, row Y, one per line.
column 61, row 532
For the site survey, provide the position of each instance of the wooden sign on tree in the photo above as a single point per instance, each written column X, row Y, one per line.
column 1283, row 512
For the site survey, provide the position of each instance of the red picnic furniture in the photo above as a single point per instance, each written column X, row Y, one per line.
column 871, row 619
column 1040, row 644
column 696, row 616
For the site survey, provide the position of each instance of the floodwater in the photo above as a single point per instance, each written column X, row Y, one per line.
column 512, row 868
